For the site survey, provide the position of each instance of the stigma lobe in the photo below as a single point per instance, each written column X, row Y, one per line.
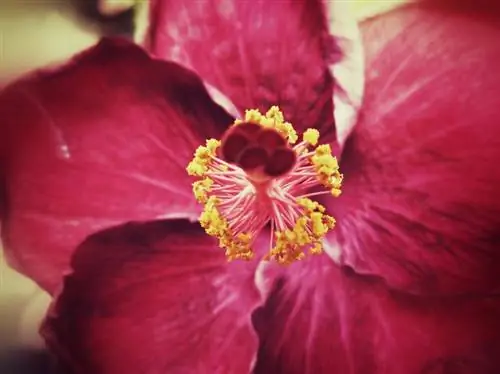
column 257, row 149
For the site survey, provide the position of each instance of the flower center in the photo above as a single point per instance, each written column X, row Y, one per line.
column 258, row 175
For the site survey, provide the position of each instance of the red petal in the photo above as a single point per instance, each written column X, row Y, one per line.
column 101, row 141
column 157, row 297
column 258, row 53
column 483, row 7
column 420, row 206
column 320, row 319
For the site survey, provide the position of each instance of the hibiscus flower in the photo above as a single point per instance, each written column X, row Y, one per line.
column 94, row 157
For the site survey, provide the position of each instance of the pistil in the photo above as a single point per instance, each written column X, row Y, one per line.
column 258, row 176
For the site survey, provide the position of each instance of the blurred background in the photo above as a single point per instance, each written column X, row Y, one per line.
column 38, row 33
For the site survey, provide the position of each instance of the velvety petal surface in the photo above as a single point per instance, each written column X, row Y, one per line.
column 154, row 298
column 322, row 319
column 103, row 140
column 420, row 206
column 263, row 53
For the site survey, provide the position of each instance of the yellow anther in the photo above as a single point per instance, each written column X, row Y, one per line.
column 301, row 232
column 336, row 192
column 286, row 250
column 316, row 249
column 275, row 113
column 319, row 229
column 323, row 149
column 307, row 232
column 201, row 189
column 196, row 168
column 212, row 145
column 329, row 221
column 310, row 205
column 254, row 116
column 211, row 220
column 326, row 161
column 284, row 128
column 272, row 119
column 239, row 247
column 327, row 168
column 311, row 136
column 202, row 158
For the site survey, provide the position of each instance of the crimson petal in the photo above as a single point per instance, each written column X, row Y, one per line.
column 156, row 297
column 262, row 53
column 420, row 206
column 321, row 319
column 103, row 140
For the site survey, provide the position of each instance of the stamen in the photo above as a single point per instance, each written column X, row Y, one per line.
column 259, row 176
